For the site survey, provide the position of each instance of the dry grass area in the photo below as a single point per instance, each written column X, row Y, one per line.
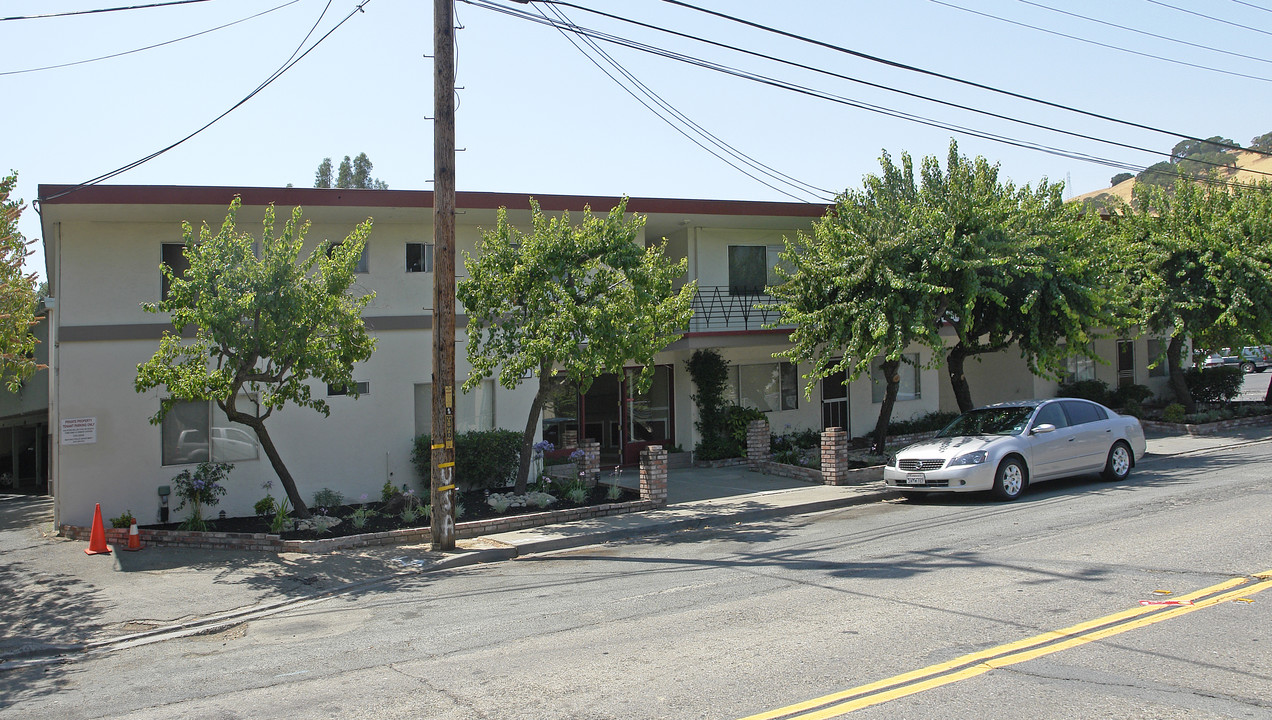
column 1248, row 164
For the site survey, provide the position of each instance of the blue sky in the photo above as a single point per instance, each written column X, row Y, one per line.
column 536, row 116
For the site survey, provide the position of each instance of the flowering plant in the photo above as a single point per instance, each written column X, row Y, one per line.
column 202, row 487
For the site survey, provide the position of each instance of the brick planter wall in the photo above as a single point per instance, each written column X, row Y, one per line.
column 653, row 474
column 118, row 537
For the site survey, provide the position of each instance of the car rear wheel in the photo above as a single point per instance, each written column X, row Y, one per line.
column 1119, row 462
column 1247, row 367
column 1010, row 479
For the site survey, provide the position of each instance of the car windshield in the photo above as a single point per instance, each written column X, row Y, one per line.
column 989, row 421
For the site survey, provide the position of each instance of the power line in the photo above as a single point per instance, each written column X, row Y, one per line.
column 1212, row 17
column 1143, row 32
column 1083, row 157
column 291, row 62
column 1097, row 43
column 101, row 10
column 150, row 47
column 867, row 83
column 661, row 102
column 1256, row 7
column 951, row 78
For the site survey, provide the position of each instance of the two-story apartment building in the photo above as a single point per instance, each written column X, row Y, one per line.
column 104, row 245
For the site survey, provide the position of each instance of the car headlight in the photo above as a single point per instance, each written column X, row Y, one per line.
column 892, row 460
column 971, row 458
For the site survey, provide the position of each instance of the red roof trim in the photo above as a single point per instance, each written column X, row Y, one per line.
column 321, row 197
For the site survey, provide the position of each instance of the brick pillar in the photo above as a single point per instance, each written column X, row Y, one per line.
column 653, row 474
column 569, row 440
column 758, row 442
column 591, row 465
column 834, row 455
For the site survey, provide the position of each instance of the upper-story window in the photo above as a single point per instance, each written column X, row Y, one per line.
column 174, row 257
column 751, row 268
column 362, row 266
column 419, row 257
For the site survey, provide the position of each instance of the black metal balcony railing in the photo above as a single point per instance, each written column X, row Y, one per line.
column 715, row 308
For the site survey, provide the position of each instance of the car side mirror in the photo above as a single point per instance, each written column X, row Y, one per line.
column 1043, row 428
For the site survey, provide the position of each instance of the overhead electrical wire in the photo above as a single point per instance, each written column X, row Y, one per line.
column 952, row 78
column 1143, row 32
column 291, row 62
column 1252, row 5
column 777, row 176
column 101, row 10
column 1097, row 43
column 867, row 83
column 1212, row 17
column 952, row 127
column 149, row 47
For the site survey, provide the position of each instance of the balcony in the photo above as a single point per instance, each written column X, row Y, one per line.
column 715, row 309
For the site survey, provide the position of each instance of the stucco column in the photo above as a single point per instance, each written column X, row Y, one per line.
column 834, row 455
column 653, row 474
column 758, row 442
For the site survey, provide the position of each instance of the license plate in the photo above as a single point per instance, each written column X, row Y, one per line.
column 915, row 479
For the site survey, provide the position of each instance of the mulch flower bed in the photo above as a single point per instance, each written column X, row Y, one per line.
column 473, row 502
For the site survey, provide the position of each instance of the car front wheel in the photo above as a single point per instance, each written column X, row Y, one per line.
column 1118, row 465
column 1247, row 367
column 1009, row 481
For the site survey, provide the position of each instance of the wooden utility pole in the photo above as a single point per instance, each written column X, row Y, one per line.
column 442, row 490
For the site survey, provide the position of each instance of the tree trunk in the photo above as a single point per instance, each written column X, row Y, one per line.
column 893, row 384
column 532, row 423
column 299, row 508
column 954, row 364
column 1174, row 358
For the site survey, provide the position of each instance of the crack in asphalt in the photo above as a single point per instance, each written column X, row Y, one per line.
column 1143, row 685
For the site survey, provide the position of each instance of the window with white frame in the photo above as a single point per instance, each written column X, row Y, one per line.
column 1078, row 368
column 197, row 431
column 361, row 387
column 751, row 268
column 908, row 373
column 765, row 386
column 474, row 410
column 1157, row 346
column 173, row 255
column 419, row 257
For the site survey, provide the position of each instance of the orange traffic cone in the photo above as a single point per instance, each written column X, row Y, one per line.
column 134, row 537
column 97, row 540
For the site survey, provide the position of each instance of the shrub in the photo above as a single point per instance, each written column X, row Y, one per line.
column 1127, row 394
column 1093, row 390
column 123, row 521
column 483, row 458
column 1133, row 408
column 710, row 374
column 929, row 422
column 265, row 506
column 328, row 499
column 1220, row 384
column 1173, row 413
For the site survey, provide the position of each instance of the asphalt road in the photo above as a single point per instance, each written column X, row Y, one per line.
column 1255, row 386
column 755, row 620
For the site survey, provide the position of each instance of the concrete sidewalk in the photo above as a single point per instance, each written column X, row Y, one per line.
column 57, row 601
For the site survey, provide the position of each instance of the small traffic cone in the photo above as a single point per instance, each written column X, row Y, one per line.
column 97, row 540
column 134, row 537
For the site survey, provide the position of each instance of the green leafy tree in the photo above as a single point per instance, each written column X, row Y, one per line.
column 863, row 285
column 17, row 294
column 1199, row 266
column 1120, row 178
column 265, row 323
column 1262, row 143
column 582, row 299
column 354, row 174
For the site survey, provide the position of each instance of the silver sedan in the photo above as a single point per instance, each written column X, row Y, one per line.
column 1006, row 447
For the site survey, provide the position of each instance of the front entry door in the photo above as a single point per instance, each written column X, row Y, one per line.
column 647, row 417
column 835, row 403
column 1125, row 363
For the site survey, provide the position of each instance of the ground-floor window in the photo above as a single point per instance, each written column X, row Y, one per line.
column 1156, row 348
column 197, row 431
column 1078, row 368
column 474, row 410
column 908, row 370
column 766, row 386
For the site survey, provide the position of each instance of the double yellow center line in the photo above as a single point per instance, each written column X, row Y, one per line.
column 978, row 663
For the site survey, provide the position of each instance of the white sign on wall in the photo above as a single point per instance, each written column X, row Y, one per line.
column 79, row 431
